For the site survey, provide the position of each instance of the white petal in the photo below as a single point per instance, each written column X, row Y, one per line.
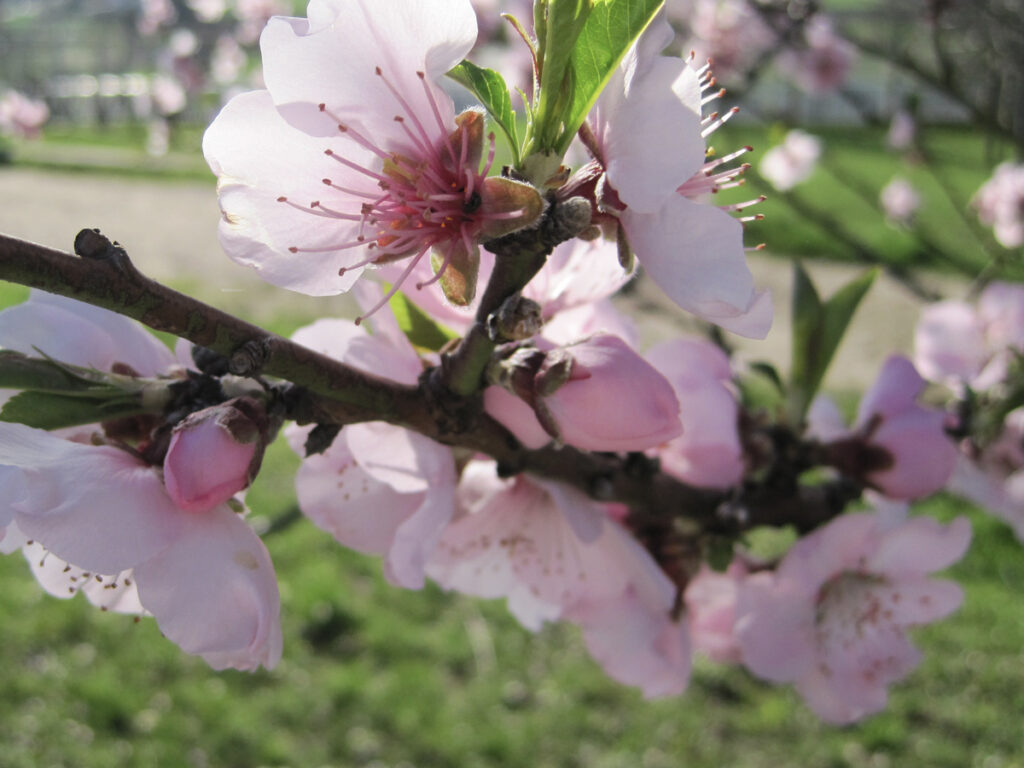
column 695, row 255
column 214, row 593
column 259, row 158
column 333, row 58
column 95, row 506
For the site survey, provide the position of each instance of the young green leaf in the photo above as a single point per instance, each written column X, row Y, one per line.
column 490, row 88
column 818, row 328
column 49, row 410
column 610, row 29
column 422, row 330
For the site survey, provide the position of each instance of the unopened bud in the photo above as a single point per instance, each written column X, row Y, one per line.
column 214, row 453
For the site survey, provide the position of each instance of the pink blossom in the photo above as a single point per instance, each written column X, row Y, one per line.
column 922, row 456
column 957, row 344
column 711, row 608
column 824, row 61
column 353, row 155
column 378, row 488
column 650, row 164
column 791, row 162
column 106, row 517
column 993, row 477
column 1000, row 204
column 900, row 201
column 21, row 115
column 214, row 453
column 729, row 32
column 832, row 618
column 708, row 452
column 552, row 553
column 597, row 395
column 206, row 578
column 902, row 131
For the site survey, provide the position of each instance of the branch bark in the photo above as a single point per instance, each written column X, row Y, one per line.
column 335, row 393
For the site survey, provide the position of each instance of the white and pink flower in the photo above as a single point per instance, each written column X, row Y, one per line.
column 649, row 147
column 553, row 553
column 353, row 156
column 99, row 519
column 832, row 619
column 791, row 162
column 896, row 445
column 378, row 488
column 1000, row 204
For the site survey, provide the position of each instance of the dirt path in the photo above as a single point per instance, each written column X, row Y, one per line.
column 170, row 230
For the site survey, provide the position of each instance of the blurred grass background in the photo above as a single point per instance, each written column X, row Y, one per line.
column 375, row 676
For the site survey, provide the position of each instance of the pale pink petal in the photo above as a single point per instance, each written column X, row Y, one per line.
column 649, row 129
column 695, row 255
column 924, row 456
column 844, row 544
column 115, row 593
column 95, row 506
column 259, row 158
column 344, row 340
column 332, row 59
column 921, row 545
column 577, row 272
column 711, row 608
column 360, row 512
column 914, row 600
column 949, row 342
column 1001, row 306
column 516, row 416
column 78, row 333
column 213, row 592
column 775, row 628
column 519, row 535
column 894, row 391
column 405, row 460
column 599, row 317
column 637, row 645
column 831, row 705
column 997, row 495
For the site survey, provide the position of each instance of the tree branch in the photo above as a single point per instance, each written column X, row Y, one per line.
column 330, row 392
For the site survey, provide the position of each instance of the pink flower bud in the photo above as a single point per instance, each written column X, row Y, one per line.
column 214, row 453
column 922, row 454
column 613, row 400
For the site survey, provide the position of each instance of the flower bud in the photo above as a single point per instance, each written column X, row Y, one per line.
column 599, row 395
column 214, row 453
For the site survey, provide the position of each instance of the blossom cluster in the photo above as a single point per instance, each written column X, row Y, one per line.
column 353, row 170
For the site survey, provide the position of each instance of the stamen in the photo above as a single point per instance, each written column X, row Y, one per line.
column 715, row 126
column 397, row 284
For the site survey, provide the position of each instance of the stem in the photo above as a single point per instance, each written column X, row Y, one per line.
column 331, row 392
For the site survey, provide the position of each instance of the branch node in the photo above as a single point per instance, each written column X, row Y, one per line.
column 92, row 244
column 249, row 359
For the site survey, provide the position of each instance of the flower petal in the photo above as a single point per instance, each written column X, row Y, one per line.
column 214, row 593
column 258, row 159
column 95, row 506
column 695, row 255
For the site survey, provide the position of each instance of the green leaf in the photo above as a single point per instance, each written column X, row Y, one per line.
column 421, row 330
column 490, row 88
column 818, row 328
column 558, row 30
column 610, row 29
column 48, row 410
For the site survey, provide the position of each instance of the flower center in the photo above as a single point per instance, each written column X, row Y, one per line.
column 406, row 203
